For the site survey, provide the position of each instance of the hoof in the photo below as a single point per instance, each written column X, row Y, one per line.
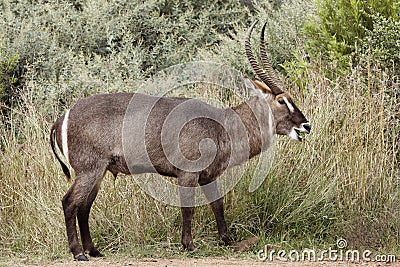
column 225, row 240
column 81, row 257
column 95, row 253
column 189, row 247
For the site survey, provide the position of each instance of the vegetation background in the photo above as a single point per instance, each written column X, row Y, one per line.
column 340, row 59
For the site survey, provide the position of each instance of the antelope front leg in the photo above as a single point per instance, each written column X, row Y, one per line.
column 211, row 192
column 218, row 210
column 187, row 182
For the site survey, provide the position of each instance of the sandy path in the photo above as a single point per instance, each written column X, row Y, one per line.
column 206, row 262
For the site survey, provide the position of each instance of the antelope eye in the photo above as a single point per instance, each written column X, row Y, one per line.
column 281, row 101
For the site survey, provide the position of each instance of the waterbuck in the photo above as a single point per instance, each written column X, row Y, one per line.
column 90, row 138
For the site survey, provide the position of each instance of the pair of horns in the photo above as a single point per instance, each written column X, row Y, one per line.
column 270, row 79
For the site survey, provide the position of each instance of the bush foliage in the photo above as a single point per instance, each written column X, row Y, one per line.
column 343, row 25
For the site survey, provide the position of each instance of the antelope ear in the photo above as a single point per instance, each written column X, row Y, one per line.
column 262, row 87
column 249, row 84
column 257, row 88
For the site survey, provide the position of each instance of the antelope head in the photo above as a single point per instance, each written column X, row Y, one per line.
column 289, row 120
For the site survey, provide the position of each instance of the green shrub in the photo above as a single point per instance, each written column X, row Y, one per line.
column 382, row 43
column 109, row 40
column 284, row 20
column 342, row 25
column 8, row 78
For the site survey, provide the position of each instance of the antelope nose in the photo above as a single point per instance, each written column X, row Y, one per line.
column 307, row 127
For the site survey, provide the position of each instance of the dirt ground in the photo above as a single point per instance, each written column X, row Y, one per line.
column 206, row 262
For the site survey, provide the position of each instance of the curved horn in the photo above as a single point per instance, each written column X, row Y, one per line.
column 253, row 62
column 265, row 61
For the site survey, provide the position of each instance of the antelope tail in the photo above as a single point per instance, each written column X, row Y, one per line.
column 55, row 151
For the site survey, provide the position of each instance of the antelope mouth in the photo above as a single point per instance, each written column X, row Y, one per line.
column 298, row 133
column 295, row 134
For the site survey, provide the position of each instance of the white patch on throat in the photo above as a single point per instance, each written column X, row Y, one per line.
column 291, row 108
column 294, row 135
column 64, row 136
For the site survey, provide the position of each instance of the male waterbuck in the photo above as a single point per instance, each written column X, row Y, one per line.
column 90, row 137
